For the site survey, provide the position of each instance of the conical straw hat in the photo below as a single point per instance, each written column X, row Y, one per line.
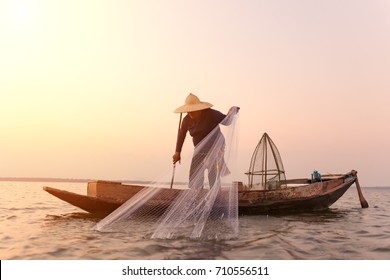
column 192, row 103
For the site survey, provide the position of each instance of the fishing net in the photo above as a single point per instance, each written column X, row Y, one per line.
column 266, row 169
column 206, row 209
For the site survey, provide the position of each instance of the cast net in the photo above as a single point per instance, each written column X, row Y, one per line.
column 266, row 169
column 207, row 208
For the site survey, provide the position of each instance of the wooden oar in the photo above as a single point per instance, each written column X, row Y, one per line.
column 363, row 201
column 173, row 174
column 174, row 165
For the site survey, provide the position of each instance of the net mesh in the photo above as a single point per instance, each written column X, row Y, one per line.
column 207, row 209
column 266, row 169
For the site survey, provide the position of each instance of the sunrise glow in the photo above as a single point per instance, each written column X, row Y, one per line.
column 88, row 88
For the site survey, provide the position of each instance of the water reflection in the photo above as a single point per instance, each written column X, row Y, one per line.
column 73, row 216
column 318, row 217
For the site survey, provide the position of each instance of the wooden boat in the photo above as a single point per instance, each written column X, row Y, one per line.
column 294, row 195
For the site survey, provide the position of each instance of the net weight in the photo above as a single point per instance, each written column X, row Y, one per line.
column 240, row 270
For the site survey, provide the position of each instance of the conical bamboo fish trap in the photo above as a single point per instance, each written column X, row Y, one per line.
column 266, row 169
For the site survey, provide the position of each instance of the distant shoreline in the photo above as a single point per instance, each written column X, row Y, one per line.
column 72, row 180
column 69, row 180
column 28, row 179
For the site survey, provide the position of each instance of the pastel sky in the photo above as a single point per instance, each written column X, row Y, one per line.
column 88, row 88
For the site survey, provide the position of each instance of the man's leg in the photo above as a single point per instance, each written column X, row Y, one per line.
column 197, row 171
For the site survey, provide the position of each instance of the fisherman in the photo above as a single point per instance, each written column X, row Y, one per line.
column 200, row 121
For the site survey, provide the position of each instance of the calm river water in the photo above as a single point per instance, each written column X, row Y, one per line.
column 36, row 225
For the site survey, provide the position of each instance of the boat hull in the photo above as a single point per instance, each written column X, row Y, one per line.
column 315, row 203
column 104, row 197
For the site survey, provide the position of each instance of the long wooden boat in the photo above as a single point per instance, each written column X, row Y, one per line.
column 295, row 195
